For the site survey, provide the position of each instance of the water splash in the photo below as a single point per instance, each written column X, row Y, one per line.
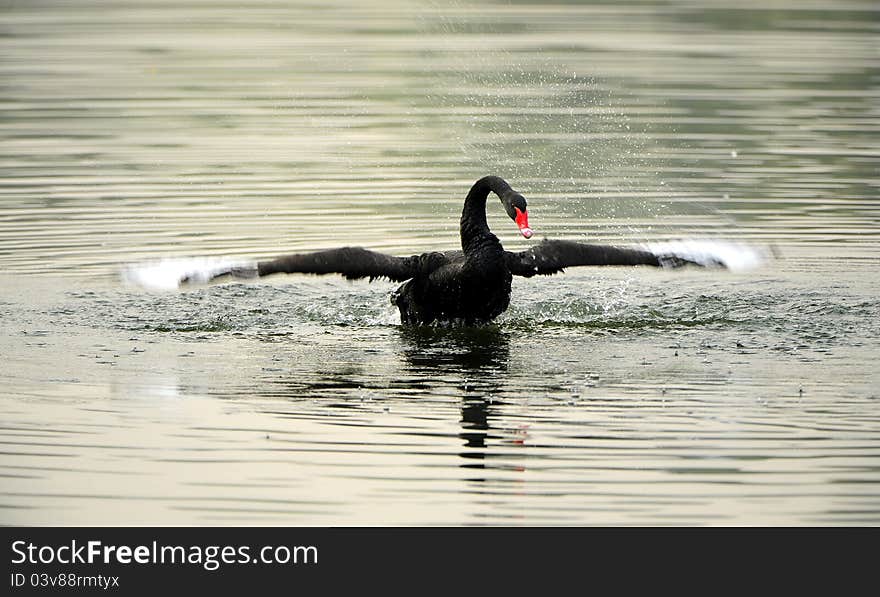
column 736, row 257
column 169, row 274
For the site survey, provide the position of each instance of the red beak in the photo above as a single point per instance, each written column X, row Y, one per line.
column 522, row 220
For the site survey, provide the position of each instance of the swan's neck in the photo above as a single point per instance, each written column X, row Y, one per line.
column 475, row 234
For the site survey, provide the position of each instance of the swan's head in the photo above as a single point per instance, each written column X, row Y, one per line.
column 516, row 207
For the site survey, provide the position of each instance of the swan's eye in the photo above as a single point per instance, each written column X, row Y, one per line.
column 522, row 221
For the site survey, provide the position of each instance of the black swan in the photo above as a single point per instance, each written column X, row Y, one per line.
column 468, row 287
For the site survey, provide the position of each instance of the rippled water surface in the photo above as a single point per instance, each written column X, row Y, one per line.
column 131, row 132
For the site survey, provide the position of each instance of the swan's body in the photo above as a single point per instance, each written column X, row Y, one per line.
column 470, row 286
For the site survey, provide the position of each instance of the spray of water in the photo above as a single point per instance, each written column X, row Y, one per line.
column 735, row 257
column 170, row 274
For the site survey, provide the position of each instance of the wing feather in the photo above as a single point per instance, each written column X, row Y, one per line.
column 553, row 256
column 351, row 262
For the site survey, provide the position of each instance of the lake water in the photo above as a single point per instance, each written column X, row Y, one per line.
column 615, row 396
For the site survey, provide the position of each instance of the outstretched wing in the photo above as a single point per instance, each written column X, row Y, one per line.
column 350, row 262
column 553, row 256
column 355, row 262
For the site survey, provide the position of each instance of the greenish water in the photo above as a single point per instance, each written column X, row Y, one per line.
column 603, row 396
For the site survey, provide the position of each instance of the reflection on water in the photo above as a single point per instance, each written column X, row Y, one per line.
column 484, row 349
column 477, row 360
column 202, row 129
